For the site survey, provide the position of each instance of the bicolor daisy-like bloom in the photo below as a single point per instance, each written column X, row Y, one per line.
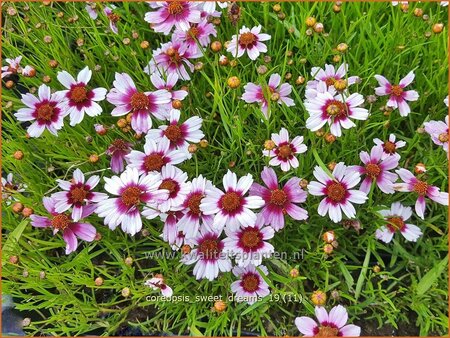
column 396, row 218
column 273, row 92
column 143, row 105
column 132, row 192
column 47, row 111
column 193, row 216
column 337, row 191
column 331, row 324
column 172, row 58
column 168, row 85
column 118, row 149
column 398, row 96
column 173, row 180
column 279, row 201
column 77, row 194
column 9, row 187
column 377, row 170
column 208, row 255
column 172, row 13
column 155, row 156
column 390, row 146
column 334, row 110
column 248, row 41
column 438, row 130
column 197, row 34
column 421, row 188
column 251, row 286
column 13, row 66
column 283, row 154
column 179, row 134
column 231, row 208
column 79, row 98
column 61, row 222
column 112, row 17
column 248, row 245
column 158, row 283
column 329, row 75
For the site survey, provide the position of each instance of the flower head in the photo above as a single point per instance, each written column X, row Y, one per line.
column 198, row 33
column 248, row 41
column 173, row 180
column 329, row 75
column 390, row 146
column 438, row 130
column 118, row 149
column 158, row 283
column 112, row 17
column 9, row 187
column 13, row 66
column 250, row 286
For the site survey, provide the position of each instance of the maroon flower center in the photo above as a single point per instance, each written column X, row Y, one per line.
column 397, row 90
column 285, row 151
column 443, row 137
column 175, row 7
column 327, row 331
column 194, row 203
column 60, row 222
column 230, row 201
column 173, row 133
column 336, row 191
column 113, row 17
column 193, row 32
column 247, row 39
column 336, row 108
column 373, row 170
column 421, row 187
column 209, row 248
column 45, row 112
column 78, row 94
column 389, row 147
column 395, row 223
column 153, row 162
column 250, row 282
column 170, row 185
column 330, row 81
column 278, row 197
column 139, row 101
column 250, row 238
column 79, row 194
column 174, row 56
column 131, row 196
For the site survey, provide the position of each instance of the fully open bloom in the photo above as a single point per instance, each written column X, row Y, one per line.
column 155, row 156
column 13, row 66
column 197, row 34
column 438, row 131
column 70, row 229
column 334, row 110
column 377, row 170
column 192, row 217
column 207, row 255
column 279, row 201
column 112, row 17
column 390, row 146
column 143, row 105
column 337, row 191
column 118, row 149
column 250, row 286
column 173, row 180
column 79, row 98
column 172, row 13
column 283, row 154
column 168, row 84
column 248, row 41
column 421, row 188
column 273, row 92
column 330, row 75
column 396, row 218
column 77, row 194
column 330, row 324
column 179, row 134
column 397, row 94
column 172, row 58
column 47, row 110
column 248, row 245
column 158, row 283
column 132, row 192
column 231, row 208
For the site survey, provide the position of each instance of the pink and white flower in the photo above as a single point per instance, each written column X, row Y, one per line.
column 197, row 34
column 283, row 154
column 155, row 156
column 208, row 255
column 421, row 188
column 170, row 233
column 69, row 228
column 173, row 180
column 330, row 75
column 248, row 244
column 28, row 71
column 78, row 195
column 143, row 105
column 79, row 98
column 179, row 134
column 438, row 130
column 132, row 192
column 13, row 66
column 118, row 150
column 210, row 6
column 251, row 286
column 376, row 170
column 112, row 17
column 168, row 85
column 172, row 58
column 9, row 187
column 396, row 218
column 330, row 324
column 273, row 92
column 158, row 283
column 172, row 13
column 390, row 146
column 338, row 191
column 231, row 208
column 91, row 9
column 193, row 216
column 334, row 110
column 47, row 111
column 248, row 41
column 397, row 93
column 279, row 201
